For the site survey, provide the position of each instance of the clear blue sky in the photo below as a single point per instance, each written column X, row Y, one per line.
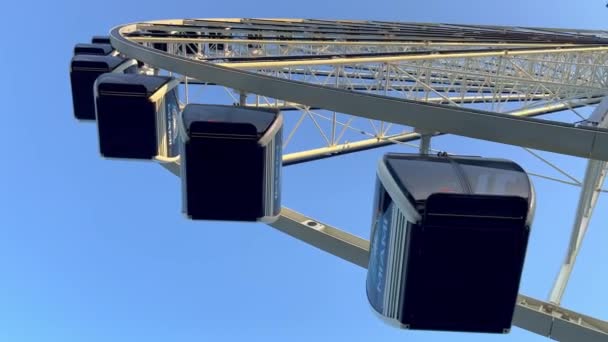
column 96, row 250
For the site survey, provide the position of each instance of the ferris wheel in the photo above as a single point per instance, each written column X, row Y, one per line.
column 155, row 90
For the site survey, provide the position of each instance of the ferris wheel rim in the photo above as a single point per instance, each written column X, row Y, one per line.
column 573, row 140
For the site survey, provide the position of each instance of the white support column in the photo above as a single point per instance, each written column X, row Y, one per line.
column 242, row 98
column 425, row 140
column 592, row 184
column 425, row 144
column 557, row 323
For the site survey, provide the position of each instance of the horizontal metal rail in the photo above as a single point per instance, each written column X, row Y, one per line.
column 408, row 57
column 196, row 40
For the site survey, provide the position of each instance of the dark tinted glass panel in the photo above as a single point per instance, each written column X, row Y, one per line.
column 451, row 206
column 502, row 164
column 82, row 94
column 478, row 258
column 83, row 97
column 261, row 119
column 93, row 49
column 131, row 83
column 496, row 181
column 224, row 179
column 127, row 127
column 100, row 40
column 88, row 62
column 422, row 177
column 223, row 129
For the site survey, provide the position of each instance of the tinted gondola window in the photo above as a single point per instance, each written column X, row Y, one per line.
column 231, row 163
column 261, row 120
column 421, row 178
column 496, row 181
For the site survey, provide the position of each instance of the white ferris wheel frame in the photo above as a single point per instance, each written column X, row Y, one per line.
column 588, row 140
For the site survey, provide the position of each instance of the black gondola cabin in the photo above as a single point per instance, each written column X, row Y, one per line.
column 231, row 160
column 448, row 242
column 137, row 116
column 84, row 70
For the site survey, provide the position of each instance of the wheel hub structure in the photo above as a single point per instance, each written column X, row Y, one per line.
column 369, row 84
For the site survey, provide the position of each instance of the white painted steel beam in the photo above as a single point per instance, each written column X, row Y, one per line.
column 558, row 323
column 332, row 42
column 339, row 149
column 367, row 144
column 533, row 133
column 461, row 99
column 406, row 57
column 595, row 175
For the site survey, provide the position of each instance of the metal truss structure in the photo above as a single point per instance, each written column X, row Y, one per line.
column 368, row 84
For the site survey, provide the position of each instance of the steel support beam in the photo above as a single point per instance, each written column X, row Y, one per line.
column 340, row 149
column 368, row 144
column 557, row 323
column 324, row 237
column 170, row 39
column 595, row 175
column 408, row 57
